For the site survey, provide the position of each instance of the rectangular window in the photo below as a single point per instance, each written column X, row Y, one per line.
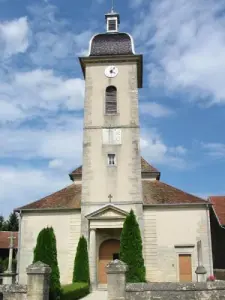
column 112, row 24
column 111, row 159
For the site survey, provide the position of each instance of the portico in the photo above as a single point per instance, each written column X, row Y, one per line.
column 105, row 226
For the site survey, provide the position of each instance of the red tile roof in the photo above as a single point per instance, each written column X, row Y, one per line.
column 218, row 203
column 67, row 198
column 154, row 192
column 158, row 192
column 4, row 239
column 146, row 167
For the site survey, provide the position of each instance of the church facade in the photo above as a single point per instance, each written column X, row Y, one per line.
column 114, row 179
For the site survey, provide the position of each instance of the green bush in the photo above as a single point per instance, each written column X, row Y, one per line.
column 81, row 263
column 46, row 252
column 75, row 291
column 131, row 249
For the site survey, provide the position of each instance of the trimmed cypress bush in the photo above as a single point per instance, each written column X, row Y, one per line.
column 46, row 252
column 131, row 249
column 81, row 263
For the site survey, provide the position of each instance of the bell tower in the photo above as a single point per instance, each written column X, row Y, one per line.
column 111, row 137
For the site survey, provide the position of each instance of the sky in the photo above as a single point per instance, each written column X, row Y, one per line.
column 182, row 102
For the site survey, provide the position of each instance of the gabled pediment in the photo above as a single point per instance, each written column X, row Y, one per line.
column 108, row 212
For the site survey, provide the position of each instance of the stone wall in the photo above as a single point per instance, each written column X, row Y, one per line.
column 178, row 291
column 119, row 289
column 13, row 292
column 37, row 287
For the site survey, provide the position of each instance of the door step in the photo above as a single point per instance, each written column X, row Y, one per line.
column 102, row 287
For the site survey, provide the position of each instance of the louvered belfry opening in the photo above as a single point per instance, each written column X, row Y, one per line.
column 112, row 25
column 111, row 100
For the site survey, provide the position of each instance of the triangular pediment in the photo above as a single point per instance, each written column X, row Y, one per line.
column 108, row 212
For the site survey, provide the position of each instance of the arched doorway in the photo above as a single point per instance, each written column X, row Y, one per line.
column 108, row 251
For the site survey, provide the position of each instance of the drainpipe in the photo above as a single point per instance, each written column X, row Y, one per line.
column 18, row 249
column 209, row 241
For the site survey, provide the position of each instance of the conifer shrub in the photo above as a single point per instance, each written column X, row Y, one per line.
column 46, row 252
column 131, row 249
column 81, row 262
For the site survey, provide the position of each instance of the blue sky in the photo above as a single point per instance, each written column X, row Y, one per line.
column 182, row 103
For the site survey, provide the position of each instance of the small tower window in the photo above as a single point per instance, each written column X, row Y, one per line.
column 112, row 25
column 111, row 100
column 112, row 21
column 111, row 159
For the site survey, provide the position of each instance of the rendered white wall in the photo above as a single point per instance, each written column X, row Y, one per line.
column 67, row 230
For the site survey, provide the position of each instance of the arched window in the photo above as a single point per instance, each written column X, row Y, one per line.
column 111, row 100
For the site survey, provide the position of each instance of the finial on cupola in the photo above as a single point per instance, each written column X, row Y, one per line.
column 112, row 20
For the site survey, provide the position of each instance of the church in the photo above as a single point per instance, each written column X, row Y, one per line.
column 114, row 178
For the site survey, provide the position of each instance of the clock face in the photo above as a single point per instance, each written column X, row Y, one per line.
column 111, row 71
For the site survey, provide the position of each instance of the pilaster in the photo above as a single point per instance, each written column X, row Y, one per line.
column 93, row 259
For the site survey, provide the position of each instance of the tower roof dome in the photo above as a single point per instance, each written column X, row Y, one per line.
column 112, row 42
column 118, row 43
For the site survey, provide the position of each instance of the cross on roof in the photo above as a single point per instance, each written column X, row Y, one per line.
column 11, row 238
column 110, row 197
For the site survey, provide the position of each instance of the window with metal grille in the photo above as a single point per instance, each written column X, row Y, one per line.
column 111, row 100
column 112, row 25
column 111, row 159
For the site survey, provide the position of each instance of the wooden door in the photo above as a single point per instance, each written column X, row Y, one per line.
column 185, row 268
column 108, row 251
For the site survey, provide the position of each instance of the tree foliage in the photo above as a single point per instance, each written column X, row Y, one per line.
column 12, row 224
column 46, row 252
column 81, row 262
column 131, row 249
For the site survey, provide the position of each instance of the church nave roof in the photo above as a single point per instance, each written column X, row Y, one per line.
column 154, row 192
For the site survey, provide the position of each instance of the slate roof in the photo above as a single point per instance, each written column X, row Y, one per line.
column 154, row 192
column 111, row 44
column 218, row 204
column 145, row 168
column 4, row 239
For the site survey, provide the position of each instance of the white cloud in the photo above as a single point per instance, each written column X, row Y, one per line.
column 136, row 3
column 62, row 142
column 215, row 150
column 9, row 112
column 29, row 184
column 55, row 44
column 185, row 41
column 24, row 94
column 155, row 110
column 156, row 151
column 14, row 36
column 56, row 163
